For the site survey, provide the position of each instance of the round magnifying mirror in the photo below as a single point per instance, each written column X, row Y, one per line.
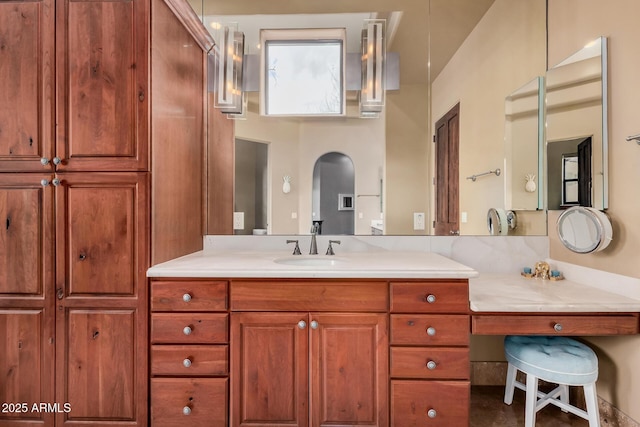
column 584, row 230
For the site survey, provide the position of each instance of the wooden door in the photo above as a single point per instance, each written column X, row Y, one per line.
column 26, row 84
column 269, row 369
column 102, row 82
column 584, row 173
column 349, row 370
column 101, row 323
column 447, row 173
column 26, row 297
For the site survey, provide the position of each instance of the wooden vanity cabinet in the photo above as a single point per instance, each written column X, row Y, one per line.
column 189, row 353
column 429, row 353
column 314, row 362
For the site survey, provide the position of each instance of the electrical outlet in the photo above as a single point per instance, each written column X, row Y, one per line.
column 463, row 217
column 294, row 215
column 238, row 220
column 418, row 220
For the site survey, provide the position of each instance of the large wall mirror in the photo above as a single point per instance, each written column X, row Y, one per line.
column 576, row 115
column 474, row 53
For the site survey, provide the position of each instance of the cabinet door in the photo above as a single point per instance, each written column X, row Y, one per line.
column 101, row 298
column 26, row 364
column 97, row 366
column 101, row 49
column 101, row 239
column 26, row 239
column 349, row 369
column 26, row 84
column 269, row 363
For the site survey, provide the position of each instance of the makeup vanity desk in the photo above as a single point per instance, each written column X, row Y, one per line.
column 504, row 304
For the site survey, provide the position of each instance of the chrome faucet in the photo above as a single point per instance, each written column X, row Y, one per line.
column 313, row 250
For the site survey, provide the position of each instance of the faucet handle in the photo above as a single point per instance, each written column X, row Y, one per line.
column 296, row 250
column 330, row 248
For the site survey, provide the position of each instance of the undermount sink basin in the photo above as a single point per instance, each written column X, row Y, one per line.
column 309, row 261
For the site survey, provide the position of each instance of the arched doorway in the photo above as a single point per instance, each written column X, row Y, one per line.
column 333, row 199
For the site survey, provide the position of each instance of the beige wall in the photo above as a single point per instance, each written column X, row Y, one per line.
column 504, row 51
column 294, row 147
column 573, row 23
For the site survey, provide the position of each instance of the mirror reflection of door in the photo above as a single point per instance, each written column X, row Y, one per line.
column 333, row 200
column 570, row 173
column 250, row 192
column 447, row 181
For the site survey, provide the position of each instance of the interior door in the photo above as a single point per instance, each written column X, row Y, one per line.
column 584, row 173
column 447, row 176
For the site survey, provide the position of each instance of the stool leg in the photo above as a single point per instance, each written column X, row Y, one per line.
column 510, row 385
column 564, row 395
column 530, row 401
column 591, row 399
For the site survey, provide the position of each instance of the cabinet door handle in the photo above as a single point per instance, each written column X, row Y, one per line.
column 186, row 297
column 44, row 161
column 431, row 365
column 56, row 182
column 187, row 330
column 186, row 410
column 57, row 160
column 431, row 331
column 314, row 324
column 44, row 182
column 60, row 293
column 432, row 413
column 430, row 298
column 186, row 363
column 557, row 327
column 302, row 324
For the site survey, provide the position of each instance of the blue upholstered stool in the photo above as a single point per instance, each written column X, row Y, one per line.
column 558, row 360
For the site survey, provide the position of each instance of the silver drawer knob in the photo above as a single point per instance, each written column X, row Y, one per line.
column 431, row 413
column 44, row 161
column 57, row 160
column 44, row 182
column 557, row 327
column 314, row 324
column 302, row 324
column 431, row 365
column 186, row 297
column 186, row 410
column 431, row 331
column 186, row 362
column 431, row 298
column 187, row 330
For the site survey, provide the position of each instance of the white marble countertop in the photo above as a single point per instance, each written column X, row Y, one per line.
column 269, row 264
column 514, row 293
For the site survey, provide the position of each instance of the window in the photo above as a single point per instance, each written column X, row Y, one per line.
column 570, row 179
column 303, row 72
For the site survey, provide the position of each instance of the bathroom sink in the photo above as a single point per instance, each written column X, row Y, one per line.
column 310, row 261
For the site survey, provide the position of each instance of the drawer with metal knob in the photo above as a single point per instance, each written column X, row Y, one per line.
column 426, row 329
column 189, row 328
column 189, row 295
column 429, row 362
column 190, row 360
column 430, row 403
column 441, row 296
column 555, row 324
column 189, row 402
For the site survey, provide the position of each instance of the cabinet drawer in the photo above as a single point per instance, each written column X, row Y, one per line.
column 189, row 402
column 432, row 363
column 309, row 295
column 189, row 360
column 189, row 328
column 442, row 296
column 430, row 403
column 183, row 295
column 623, row 324
column 436, row 329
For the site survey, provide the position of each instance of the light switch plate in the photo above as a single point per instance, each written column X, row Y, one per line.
column 238, row 220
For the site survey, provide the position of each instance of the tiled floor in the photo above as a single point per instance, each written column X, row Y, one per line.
column 488, row 410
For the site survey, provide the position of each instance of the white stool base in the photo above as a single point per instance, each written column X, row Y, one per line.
column 535, row 400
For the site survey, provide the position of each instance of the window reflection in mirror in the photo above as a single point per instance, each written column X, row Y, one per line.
column 576, row 116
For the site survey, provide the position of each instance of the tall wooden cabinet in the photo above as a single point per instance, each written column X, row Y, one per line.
column 76, row 207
